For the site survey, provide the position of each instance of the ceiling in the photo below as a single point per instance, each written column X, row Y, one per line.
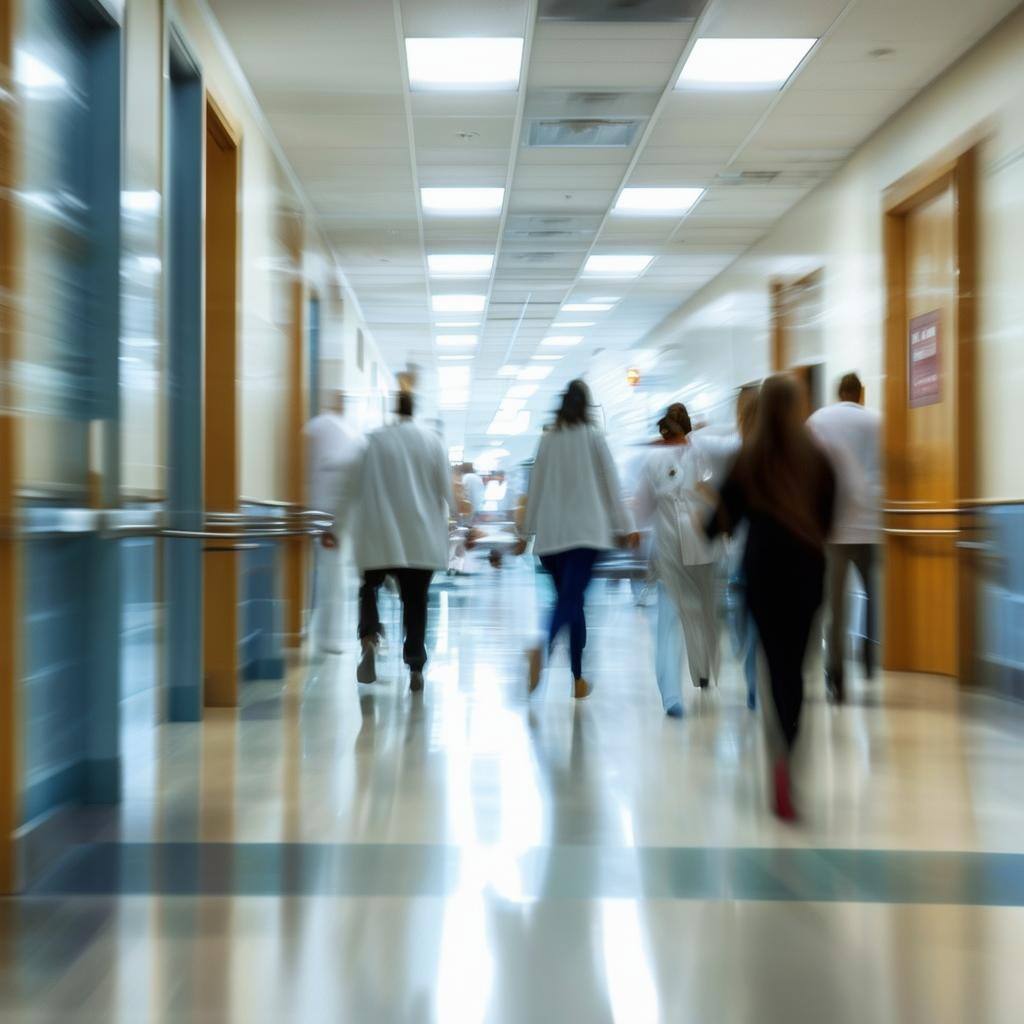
column 331, row 77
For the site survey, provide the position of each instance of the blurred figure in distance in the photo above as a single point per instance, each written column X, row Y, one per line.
column 783, row 486
column 333, row 448
column 575, row 511
column 403, row 497
column 852, row 434
column 669, row 495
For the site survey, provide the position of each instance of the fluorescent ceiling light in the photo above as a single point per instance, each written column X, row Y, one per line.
column 509, row 370
column 586, row 307
column 510, row 406
column 453, row 375
column 522, row 391
column 617, row 266
column 574, row 323
column 653, row 202
column 563, row 340
column 458, row 303
column 462, row 200
column 465, row 341
column 454, row 399
column 464, row 63
column 605, row 298
column 546, row 358
column 443, row 265
column 535, row 372
column 451, row 359
column 458, row 323
column 517, row 424
column 743, row 62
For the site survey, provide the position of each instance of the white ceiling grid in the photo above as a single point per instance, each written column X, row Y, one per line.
column 330, row 75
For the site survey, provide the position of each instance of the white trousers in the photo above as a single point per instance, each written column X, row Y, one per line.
column 329, row 606
column 686, row 607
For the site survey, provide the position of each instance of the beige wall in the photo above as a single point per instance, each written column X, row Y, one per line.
column 723, row 332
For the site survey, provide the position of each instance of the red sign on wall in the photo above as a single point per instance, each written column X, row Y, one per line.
column 925, row 371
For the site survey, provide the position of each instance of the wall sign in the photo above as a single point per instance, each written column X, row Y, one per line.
column 923, row 352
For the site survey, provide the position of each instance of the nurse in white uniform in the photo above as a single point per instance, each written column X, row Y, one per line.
column 333, row 448
column 669, row 496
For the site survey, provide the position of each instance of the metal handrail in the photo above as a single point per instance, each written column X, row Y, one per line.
column 927, row 511
column 921, row 533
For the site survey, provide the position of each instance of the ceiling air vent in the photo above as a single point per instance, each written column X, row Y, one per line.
column 746, row 177
column 621, row 10
column 581, row 132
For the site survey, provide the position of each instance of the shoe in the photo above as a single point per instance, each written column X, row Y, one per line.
column 784, row 809
column 415, row 682
column 366, row 672
column 676, row 711
column 581, row 689
column 702, row 683
column 835, row 688
column 535, row 661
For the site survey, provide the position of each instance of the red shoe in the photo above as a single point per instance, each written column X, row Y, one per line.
column 784, row 808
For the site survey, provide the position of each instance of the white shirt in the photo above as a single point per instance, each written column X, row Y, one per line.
column 719, row 452
column 851, row 435
column 402, row 495
column 473, row 490
column 574, row 500
column 667, row 495
column 333, row 448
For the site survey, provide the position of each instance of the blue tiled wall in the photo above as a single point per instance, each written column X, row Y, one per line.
column 260, row 617
column 1001, row 603
column 55, row 658
column 139, row 627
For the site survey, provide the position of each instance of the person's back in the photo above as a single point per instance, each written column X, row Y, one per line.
column 574, row 499
column 404, row 500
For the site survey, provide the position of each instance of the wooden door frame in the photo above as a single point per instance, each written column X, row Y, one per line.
column 959, row 172
column 779, row 290
column 220, row 418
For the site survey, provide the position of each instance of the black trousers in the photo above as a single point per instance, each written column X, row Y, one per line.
column 783, row 604
column 413, row 586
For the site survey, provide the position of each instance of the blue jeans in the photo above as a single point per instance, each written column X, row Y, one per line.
column 744, row 634
column 571, row 572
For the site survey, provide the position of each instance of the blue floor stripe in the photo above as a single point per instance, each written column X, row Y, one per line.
column 557, row 872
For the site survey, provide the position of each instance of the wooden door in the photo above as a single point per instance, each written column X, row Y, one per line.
column 220, row 439
column 929, row 427
column 797, row 337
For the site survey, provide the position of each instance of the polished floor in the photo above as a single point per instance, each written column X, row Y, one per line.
column 333, row 852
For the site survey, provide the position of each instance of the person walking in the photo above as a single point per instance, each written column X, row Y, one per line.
column 574, row 512
column 851, row 434
column 669, row 496
column 783, row 486
column 333, row 448
column 403, row 498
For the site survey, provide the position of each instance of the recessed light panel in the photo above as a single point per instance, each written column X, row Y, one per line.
column 535, row 372
column 443, row 265
column 509, row 370
column 464, row 63
column 573, row 323
column 657, row 202
column 456, row 340
column 452, row 358
column 458, row 303
column 522, row 390
column 466, row 201
column 742, row 63
column 612, row 265
column 458, row 323
column 562, row 340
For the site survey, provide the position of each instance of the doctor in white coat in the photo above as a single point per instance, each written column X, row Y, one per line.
column 669, row 496
column 333, row 448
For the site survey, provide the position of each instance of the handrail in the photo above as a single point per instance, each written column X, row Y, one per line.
column 926, row 511
column 920, row 533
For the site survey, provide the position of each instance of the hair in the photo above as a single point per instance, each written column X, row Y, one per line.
column 850, row 388
column 675, row 422
column 575, row 407
column 780, row 464
column 746, row 408
column 405, row 403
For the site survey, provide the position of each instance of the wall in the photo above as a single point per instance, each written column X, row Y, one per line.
column 723, row 332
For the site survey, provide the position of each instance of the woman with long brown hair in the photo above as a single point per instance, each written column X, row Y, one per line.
column 781, row 484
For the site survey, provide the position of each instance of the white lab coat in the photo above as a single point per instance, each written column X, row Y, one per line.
column 574, row 499
column 851, row 436
column 333, row 448
column 668, row 497
column 401, row 495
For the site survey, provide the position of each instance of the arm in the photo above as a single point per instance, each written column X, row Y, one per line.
column 730, row 511
column 622, row 521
